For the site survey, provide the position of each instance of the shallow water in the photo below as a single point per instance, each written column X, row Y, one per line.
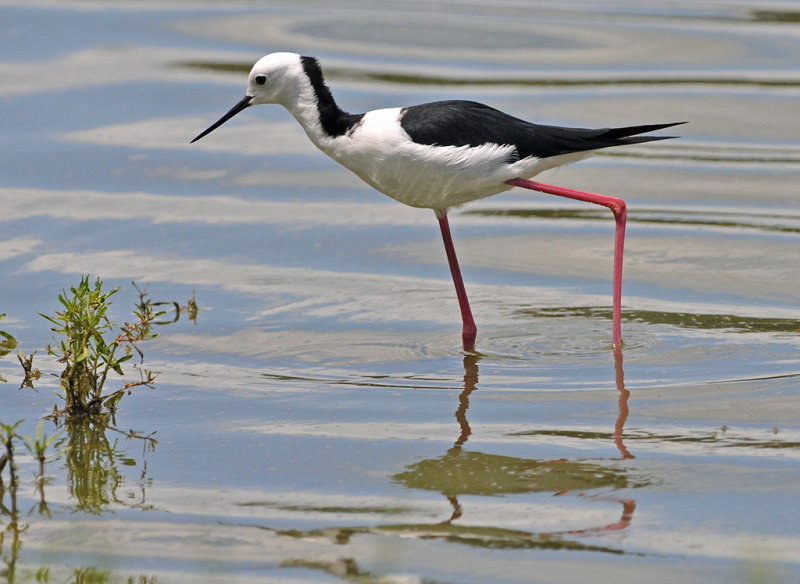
column 319, row 422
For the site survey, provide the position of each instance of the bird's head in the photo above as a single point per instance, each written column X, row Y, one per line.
column 275, row 78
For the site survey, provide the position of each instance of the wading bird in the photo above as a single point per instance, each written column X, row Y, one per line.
column 438, row 155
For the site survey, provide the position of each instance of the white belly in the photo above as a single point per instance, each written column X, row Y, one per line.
column 433, row 177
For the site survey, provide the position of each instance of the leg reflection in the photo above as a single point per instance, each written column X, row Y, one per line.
column 470, row 385
column 624, row 394
column 466, row 472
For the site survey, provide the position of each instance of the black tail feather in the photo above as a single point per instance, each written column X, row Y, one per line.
column 545, row 141
column 630, row 134
column 644, row 129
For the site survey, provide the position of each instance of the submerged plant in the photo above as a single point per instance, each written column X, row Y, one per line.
column 91, row 345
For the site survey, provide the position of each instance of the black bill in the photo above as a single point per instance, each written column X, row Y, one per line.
column 243, row 104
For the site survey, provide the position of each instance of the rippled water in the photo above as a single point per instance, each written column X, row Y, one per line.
column 319, row 422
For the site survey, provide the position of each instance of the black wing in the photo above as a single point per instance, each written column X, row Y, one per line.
column 468, row 123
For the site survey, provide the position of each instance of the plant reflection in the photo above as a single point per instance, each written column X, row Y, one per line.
column 10, row 541
column 10, row 524
column 94, row 478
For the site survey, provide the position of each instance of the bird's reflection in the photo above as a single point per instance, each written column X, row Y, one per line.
column 463, row 472
column 460, row 472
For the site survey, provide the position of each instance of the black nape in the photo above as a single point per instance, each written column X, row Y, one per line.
column 334, row 120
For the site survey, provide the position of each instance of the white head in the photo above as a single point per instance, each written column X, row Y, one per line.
column 275, row 78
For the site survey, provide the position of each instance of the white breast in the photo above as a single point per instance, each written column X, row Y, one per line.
column 438, row 177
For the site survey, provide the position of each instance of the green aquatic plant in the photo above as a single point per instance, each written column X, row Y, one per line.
column 7, row 344
column 8, row 434
column 38, row 446
column 31, row 372
column 91, row 345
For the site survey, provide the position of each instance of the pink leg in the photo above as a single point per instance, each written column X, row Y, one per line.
column 617, row 206
column 470, row 331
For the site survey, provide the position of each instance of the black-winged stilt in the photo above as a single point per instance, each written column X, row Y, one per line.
column 438, row 155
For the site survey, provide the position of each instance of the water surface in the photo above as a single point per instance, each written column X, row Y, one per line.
column 319, row 422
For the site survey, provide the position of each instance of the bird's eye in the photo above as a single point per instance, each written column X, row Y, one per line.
column 260, row 79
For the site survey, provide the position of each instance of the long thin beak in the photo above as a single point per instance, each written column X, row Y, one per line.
column 244, row 103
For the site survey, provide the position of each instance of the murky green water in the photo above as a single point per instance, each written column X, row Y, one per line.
column 319, row 422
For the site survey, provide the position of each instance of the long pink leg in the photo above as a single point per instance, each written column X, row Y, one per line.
column 617, row 206
column 470, row 331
